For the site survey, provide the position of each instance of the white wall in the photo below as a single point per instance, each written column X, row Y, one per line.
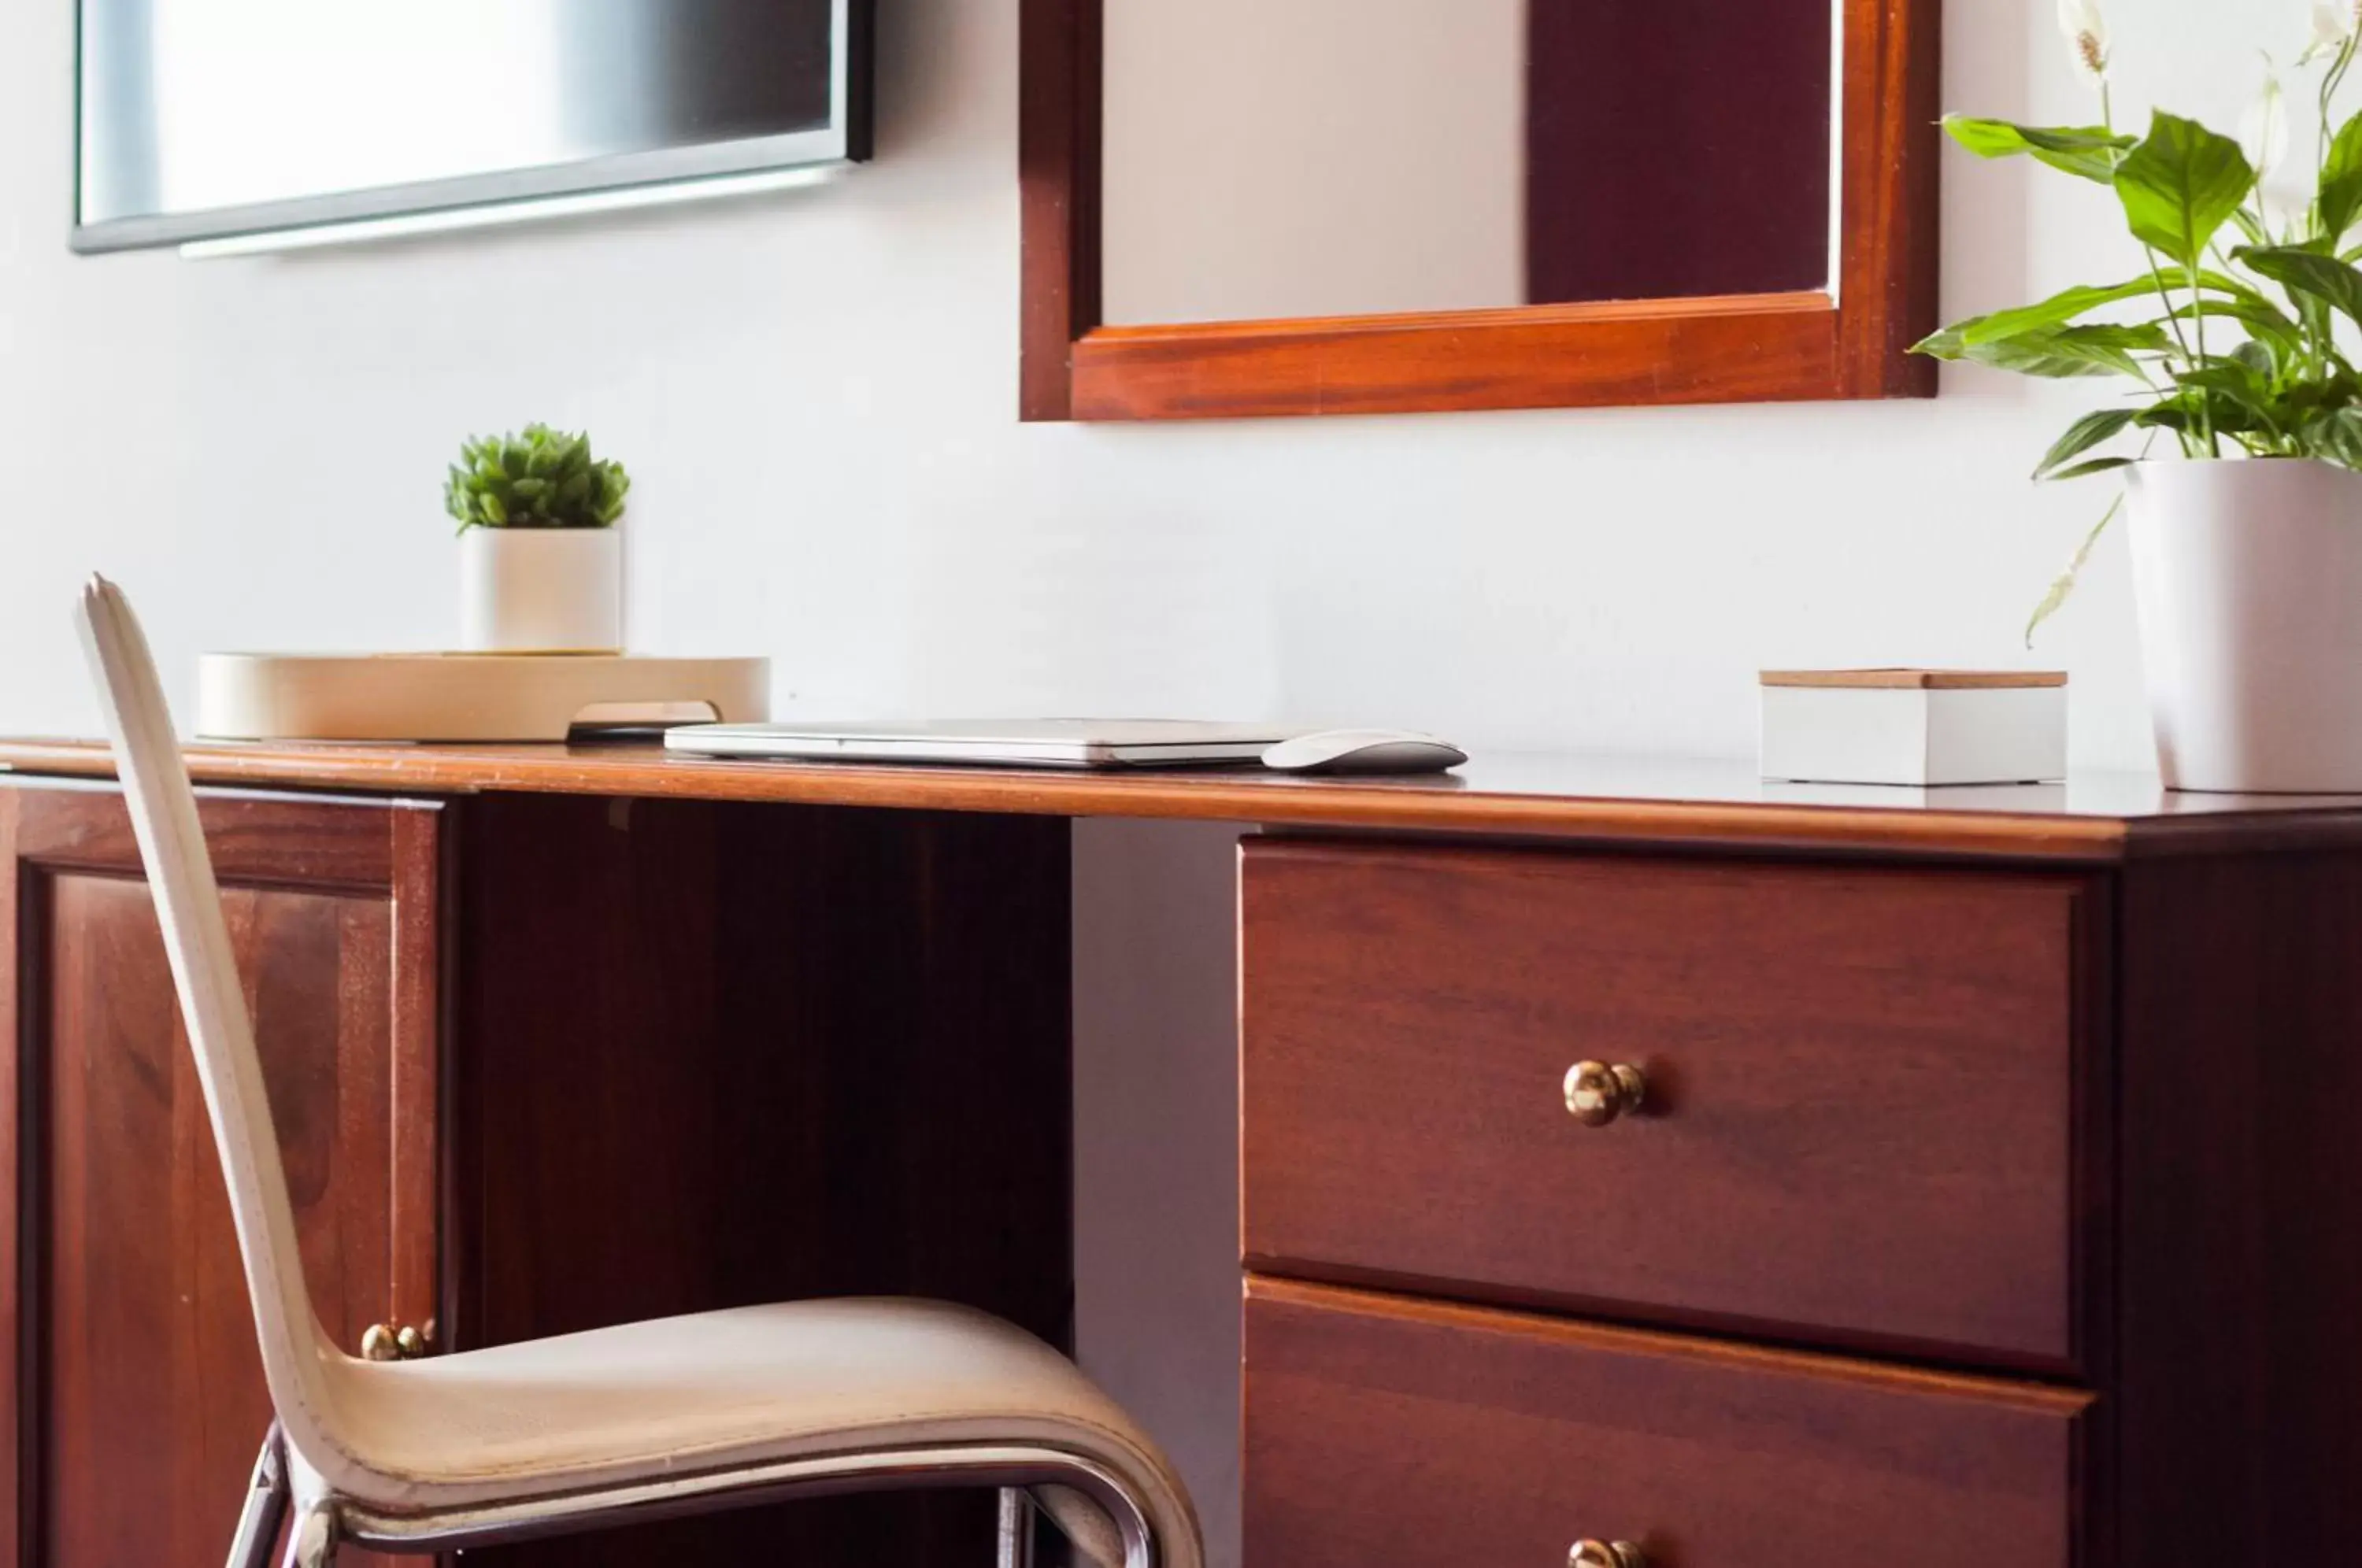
column 816, row 395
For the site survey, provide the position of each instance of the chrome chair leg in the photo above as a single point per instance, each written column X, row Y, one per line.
column 312, row 1539
column 265, row 1510
column 1016, row 1529
column 1089, row 1533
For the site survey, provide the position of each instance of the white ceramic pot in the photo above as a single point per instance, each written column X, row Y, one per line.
column 541, row 590
column 2249, row 578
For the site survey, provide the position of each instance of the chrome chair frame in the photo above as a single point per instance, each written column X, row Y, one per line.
column 323, row 1523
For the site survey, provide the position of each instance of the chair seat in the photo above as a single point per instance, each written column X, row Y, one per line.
column 715, row 1391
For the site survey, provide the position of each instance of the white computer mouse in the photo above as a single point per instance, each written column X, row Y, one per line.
column 1365, row 751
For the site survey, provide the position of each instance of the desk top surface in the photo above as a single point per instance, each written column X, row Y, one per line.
column 2096, row 817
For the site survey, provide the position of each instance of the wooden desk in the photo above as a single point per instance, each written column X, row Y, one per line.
column 1993, row 1195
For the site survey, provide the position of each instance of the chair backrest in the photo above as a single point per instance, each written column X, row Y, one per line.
column 298, row 1359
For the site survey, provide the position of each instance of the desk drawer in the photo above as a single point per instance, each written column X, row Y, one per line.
column 1420, row 1436
column 1859, row 1116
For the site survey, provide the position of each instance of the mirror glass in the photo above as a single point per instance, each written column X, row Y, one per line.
column 1267, row 159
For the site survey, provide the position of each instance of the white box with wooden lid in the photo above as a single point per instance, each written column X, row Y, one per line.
column 1917, row 727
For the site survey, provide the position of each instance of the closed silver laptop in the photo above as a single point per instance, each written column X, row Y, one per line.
column 1008, row 742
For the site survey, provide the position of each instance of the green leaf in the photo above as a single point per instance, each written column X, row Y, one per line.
column 2083, row 435
column 2059, row 307
column 2257, row 357
column 2264, row 321
column 495, row 511
column 2329, row 392
column 2096, row 466
column 2065, row 351
column 2196, row 408
column 2223, row 283
column 2062, row 589
column 2336, row 438
column 1946, row 345
column 2307, row 274
column 1954, row 342
column 2134, row 337
column 2088, row 151
column 2028, row 356
column 2180, row 185
column 2341, row 182
column 2235, row 381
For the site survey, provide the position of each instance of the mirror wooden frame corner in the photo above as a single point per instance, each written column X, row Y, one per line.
column 1735, row 349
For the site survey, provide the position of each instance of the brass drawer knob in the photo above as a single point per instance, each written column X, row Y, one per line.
column 1599, row 1093
column 383, row 1341
column 1606, row 1554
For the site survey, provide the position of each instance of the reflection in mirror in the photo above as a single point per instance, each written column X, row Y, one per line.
column 1269, row 158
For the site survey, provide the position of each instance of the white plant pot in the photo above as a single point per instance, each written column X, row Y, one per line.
column 541, row 590
column 2249, row 579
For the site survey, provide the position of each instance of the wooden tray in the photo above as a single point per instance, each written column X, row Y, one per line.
column 467, row 697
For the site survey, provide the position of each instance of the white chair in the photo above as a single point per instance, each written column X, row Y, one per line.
column 683, row 1415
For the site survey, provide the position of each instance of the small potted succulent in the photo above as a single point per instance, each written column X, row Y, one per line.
column 541, row 565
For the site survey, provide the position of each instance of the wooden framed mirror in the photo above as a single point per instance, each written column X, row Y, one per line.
column 1249, row 207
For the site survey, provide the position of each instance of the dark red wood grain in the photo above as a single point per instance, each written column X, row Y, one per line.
column 1755, row 348
column 138, row 1391
column 1058, row 187
column 537, row 1065
column 1919, row 1099
column 2237, row 1389
column 1639, row 802
column 1383, row 1430
column 712, row 1055
column 1861, row 1127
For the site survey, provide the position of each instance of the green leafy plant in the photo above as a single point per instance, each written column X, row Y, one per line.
column 542, row 478
column 2231, row 345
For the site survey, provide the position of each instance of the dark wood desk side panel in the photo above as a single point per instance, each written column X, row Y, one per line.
column 2239, row 1408
column 709, row 1056
column 19, row 1382
column 137, row 1394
